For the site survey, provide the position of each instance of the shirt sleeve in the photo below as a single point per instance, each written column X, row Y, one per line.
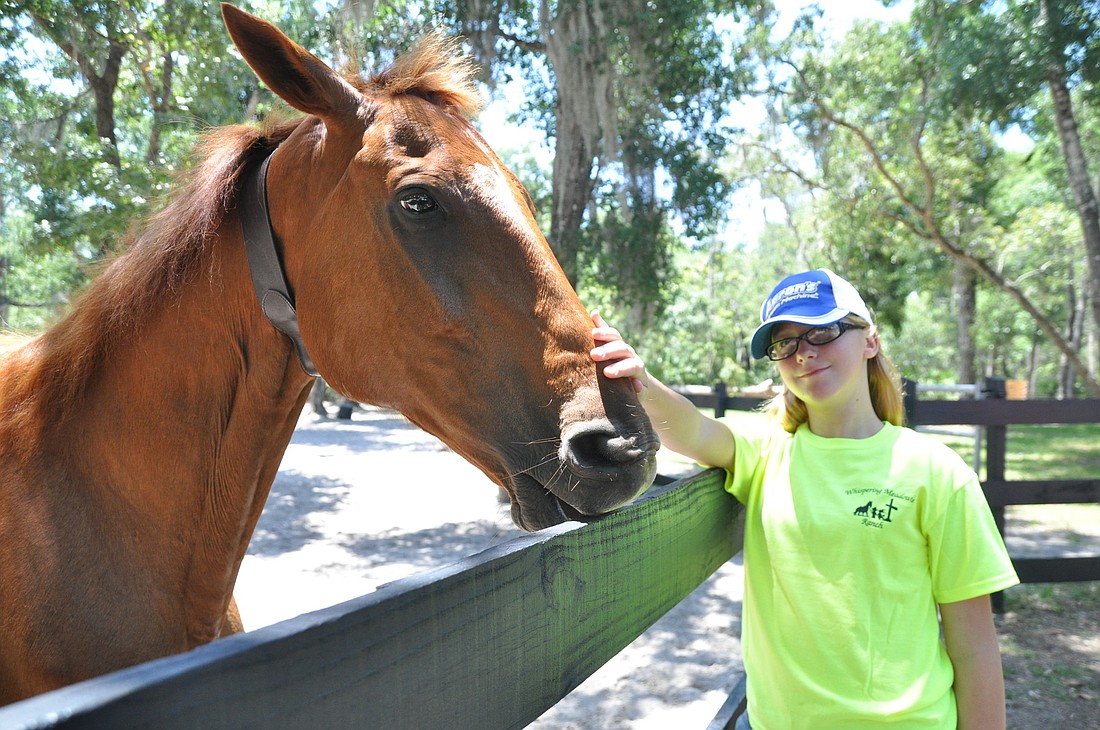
column 749, row 455
column 967, row 554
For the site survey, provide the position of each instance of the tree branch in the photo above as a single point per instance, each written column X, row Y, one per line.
column 523, row 43
column 926, row 215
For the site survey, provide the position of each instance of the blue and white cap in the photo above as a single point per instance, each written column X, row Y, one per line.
column 815, row 298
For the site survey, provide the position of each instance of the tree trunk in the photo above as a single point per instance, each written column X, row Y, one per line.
column 964, row 289
column 160, row 97
column 576, row 50
column 1067, row 373
column 103, row 86
column 572, row 186
column 5, row 311
column 102, row 83
column 1033, row 367
column 1088, row 211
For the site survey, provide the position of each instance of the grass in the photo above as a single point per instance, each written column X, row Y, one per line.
column 1050, row 647
column 1070, row 451
column 1055, row 452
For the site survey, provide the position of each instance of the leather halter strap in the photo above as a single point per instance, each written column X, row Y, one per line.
column 268, row 277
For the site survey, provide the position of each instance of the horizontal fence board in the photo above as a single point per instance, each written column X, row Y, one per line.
column 1065, row 491
column 1060, row 570
column 732, row 708
column 984, row 412
column 493, row 641
column 995, row 412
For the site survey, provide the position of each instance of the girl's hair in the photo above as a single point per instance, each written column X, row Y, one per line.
column 887, row 396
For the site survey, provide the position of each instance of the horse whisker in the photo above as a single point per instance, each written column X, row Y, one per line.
column 545, row 461
column 550, row 440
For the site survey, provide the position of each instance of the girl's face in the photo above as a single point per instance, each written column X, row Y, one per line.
column 833, row 374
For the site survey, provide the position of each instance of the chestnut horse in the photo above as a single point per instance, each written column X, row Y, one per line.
column 140, row 435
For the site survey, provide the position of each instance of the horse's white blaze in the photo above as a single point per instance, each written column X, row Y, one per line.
column 492, row 185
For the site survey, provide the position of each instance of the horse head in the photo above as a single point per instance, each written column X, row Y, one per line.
column 422, row 281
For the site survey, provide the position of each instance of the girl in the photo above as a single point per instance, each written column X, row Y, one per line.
column 857, row 530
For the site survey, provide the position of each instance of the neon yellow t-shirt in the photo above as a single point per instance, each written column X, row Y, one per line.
column 850, row 544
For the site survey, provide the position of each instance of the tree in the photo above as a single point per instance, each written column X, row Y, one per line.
column 1026, row 49
column 102, row 103
column 633, row 94
column 888, row 110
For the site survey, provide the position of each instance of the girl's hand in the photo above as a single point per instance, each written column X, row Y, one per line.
column 624, row 361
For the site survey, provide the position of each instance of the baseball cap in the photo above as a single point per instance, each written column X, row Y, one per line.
column 815, row 298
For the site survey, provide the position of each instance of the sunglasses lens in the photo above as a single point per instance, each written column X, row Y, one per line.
column 823, row 335
column 782, row 349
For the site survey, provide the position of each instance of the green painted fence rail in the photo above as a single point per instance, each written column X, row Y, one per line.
column 490, row 642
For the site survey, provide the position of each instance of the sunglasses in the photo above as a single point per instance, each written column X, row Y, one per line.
column 788, row 346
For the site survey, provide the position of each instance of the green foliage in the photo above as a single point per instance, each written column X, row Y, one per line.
column 702, row 336
column 81, row 166
column 908, row 177
column 929, row 95
column 673, row 78
column 35, row 284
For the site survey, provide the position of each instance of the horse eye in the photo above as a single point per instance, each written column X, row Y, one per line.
column 418, row 202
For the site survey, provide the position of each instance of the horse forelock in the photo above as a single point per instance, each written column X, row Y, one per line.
column 435, row 69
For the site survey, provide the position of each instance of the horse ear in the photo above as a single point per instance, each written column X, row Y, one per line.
column 297, row 76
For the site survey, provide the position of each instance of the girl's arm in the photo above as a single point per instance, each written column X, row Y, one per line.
column 679, row 423
column 971, row 641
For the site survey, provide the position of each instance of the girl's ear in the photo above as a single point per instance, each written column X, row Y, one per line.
column 873, row 346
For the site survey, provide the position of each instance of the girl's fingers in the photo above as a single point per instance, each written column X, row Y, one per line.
column 606, row 334
column 603, row 331
column 613, row 350
column 626, row 363
column 625, row 368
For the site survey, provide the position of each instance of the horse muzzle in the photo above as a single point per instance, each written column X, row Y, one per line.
column 597, row 470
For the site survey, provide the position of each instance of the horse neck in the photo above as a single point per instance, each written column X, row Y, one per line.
column 185, row 421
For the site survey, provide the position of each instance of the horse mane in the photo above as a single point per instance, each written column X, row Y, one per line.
column 156, row 260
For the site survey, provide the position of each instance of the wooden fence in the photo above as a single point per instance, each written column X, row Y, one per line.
column 490, row 642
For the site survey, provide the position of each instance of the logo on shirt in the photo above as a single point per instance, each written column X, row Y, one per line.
column 876, row 515
column 877, row 506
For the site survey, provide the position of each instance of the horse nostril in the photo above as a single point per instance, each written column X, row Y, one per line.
column 617, row 450
column 604, row 467
column 599, row 448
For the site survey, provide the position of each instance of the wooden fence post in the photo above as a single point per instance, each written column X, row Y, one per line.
column 910, row 389
column 722, row 391
column 996, row 440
